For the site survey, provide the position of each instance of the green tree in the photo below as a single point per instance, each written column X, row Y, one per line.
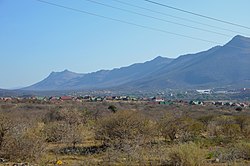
column 112, row 108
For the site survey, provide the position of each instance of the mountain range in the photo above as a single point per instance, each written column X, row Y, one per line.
column 220, row 66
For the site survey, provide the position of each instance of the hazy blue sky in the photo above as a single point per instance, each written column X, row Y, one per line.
column 36, row 38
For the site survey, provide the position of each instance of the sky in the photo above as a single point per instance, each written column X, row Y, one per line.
column 37, row 38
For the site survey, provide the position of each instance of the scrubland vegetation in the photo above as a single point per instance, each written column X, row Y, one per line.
column 123, row 133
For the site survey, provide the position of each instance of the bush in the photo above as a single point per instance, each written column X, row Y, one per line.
column 244, row 123
column 123, row 128
column 74, row 134
column 243, row 149
column 246, row 132
column 24, row 146
column 214, row 141
column 180, row 128
column 188, row 154
column 5, row 126
column 234, row 153
column 225, row 126
column 65, row 126
column 112, row 108
column 54, row 131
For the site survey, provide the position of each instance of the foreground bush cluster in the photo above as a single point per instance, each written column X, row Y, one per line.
column 132, row 135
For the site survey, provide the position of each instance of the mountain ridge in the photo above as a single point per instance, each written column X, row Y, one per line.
column 101, row 78
column 213, row 67
column 226, row 65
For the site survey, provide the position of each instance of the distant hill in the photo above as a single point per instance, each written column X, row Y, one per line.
column 227, row 65
column 56, row 80
column 67, row 80
column 221, row 66
column 8, row 93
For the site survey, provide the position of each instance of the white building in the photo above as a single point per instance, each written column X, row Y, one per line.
column 204, row 91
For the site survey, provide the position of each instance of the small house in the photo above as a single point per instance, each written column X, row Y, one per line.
column 66, row 98
column 158, row 99
column 195, row 102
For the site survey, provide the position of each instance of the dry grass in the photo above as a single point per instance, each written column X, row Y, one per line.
column 153, row 151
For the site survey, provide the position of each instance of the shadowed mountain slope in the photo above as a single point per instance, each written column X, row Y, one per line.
column 220, row 66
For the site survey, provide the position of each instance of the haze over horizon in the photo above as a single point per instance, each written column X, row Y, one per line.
column 38, row 38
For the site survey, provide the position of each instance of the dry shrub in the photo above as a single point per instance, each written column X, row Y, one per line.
column 246, row 132
column 27, row 145
column 225, row 126
column 65, row 126
column 180, row 128
column 123, row 128
column 188, row 154
column 54, row 131
column 74, row 134
column 243, row 149
column 5, row 126
column 8, row 106
column 233, row 153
